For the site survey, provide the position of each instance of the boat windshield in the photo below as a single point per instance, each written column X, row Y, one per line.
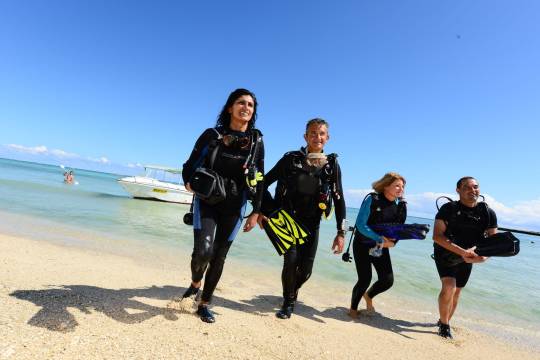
column 163, row 175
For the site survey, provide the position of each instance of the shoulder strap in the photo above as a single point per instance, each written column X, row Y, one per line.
column 488, row 215
column 213, row 148
column 256, row 139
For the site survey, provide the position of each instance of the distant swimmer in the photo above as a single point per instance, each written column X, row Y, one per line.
column 459, row 227
column 69, row 178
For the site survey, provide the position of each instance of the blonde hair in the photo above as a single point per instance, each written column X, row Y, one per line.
column 387, row 180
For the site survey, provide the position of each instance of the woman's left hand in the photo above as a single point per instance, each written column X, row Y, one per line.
column 251, row 221
column 388, row 242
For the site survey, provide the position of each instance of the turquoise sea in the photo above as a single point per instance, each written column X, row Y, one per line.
column 98, row 214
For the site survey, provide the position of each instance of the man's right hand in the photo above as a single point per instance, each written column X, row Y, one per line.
column 261, row 220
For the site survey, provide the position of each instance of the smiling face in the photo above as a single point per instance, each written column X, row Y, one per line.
column 316, row 137
column 394, row 190
column 241, row 112
column 469, row 191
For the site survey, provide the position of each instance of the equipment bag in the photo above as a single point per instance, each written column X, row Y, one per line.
column 207, row 184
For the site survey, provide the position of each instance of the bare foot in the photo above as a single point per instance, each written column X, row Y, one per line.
column 369, row 303
column 368, row 313
column 353, row 313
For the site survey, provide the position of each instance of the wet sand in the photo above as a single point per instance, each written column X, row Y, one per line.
column 65, row 302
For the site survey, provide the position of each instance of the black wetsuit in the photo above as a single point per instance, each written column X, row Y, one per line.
column 216, row 226
column 302, row 203
column 465, row 226
column 381, row 210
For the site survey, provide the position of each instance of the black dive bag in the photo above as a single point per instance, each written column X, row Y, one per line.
column 207, row 184
column 501, row 244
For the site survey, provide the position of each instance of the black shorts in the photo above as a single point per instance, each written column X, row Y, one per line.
column 460, row 272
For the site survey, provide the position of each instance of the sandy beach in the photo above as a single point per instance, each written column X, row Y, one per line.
column 65, row 302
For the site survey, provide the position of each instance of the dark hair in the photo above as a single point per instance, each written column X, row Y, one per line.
column 224, row 118
column 318, row 121
column 463, row 179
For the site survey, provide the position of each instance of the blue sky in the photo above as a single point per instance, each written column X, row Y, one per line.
column 431, row 89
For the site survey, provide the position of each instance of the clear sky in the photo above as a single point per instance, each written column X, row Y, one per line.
column 432, row 89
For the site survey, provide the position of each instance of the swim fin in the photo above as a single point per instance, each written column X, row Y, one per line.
column 500, row 244
column 402, row 231
column 284, row 231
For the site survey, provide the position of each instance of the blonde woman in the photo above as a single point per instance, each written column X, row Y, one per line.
column 384, row 205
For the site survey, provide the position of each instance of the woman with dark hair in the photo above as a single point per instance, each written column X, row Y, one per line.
column 233, row 150
column 385, row 205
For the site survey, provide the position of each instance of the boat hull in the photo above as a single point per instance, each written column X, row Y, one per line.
column 151, row 189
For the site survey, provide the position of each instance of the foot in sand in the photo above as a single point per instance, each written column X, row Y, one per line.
column 353, row 313
column 369, row 303
column 188, row 301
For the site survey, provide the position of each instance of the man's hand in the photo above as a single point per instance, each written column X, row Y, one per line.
column 251, row 221
column 338, row 244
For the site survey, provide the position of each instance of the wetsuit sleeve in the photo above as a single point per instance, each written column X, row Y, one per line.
column 277, row 172
column 361, row 221
column 198, row 154
column 260, row 188
column 492, row 219
column 339, row 199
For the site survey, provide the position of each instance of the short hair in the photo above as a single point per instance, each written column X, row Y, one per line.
column 318, row 121
column 387, row 180
column 224, row 118
column 463, row 179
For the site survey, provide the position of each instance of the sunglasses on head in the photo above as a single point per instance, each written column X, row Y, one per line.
column 241, row 142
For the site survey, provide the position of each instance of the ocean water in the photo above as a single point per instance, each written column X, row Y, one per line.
column 97, row 213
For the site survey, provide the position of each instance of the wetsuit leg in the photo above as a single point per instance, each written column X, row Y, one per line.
column 227, row 226
column 362, row 261
column 306, row 258
column 385, row 275
column 204, row 226
column 288, row 274
column 298, row 265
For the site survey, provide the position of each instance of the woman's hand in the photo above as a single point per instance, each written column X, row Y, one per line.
column 251, row 222
column 388, row 242
column 338, row 244
column 188, row 187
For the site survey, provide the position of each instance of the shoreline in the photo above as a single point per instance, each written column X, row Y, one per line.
column 69, row 302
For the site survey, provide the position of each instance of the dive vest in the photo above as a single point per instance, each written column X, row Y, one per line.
column 466, row 220
column 463, row 218
column 383, row 211
column 307, row 190
column 251, row 174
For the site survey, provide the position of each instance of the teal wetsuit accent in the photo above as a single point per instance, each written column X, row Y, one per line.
column 362, row 219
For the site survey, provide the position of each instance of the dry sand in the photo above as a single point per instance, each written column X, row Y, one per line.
column 60, row 302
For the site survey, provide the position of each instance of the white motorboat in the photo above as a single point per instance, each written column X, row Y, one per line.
column 158, row 183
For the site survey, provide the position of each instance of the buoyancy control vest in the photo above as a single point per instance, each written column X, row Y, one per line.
column 467, row 221
column 465, row 227
column 383, row 211
column 307, row 190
